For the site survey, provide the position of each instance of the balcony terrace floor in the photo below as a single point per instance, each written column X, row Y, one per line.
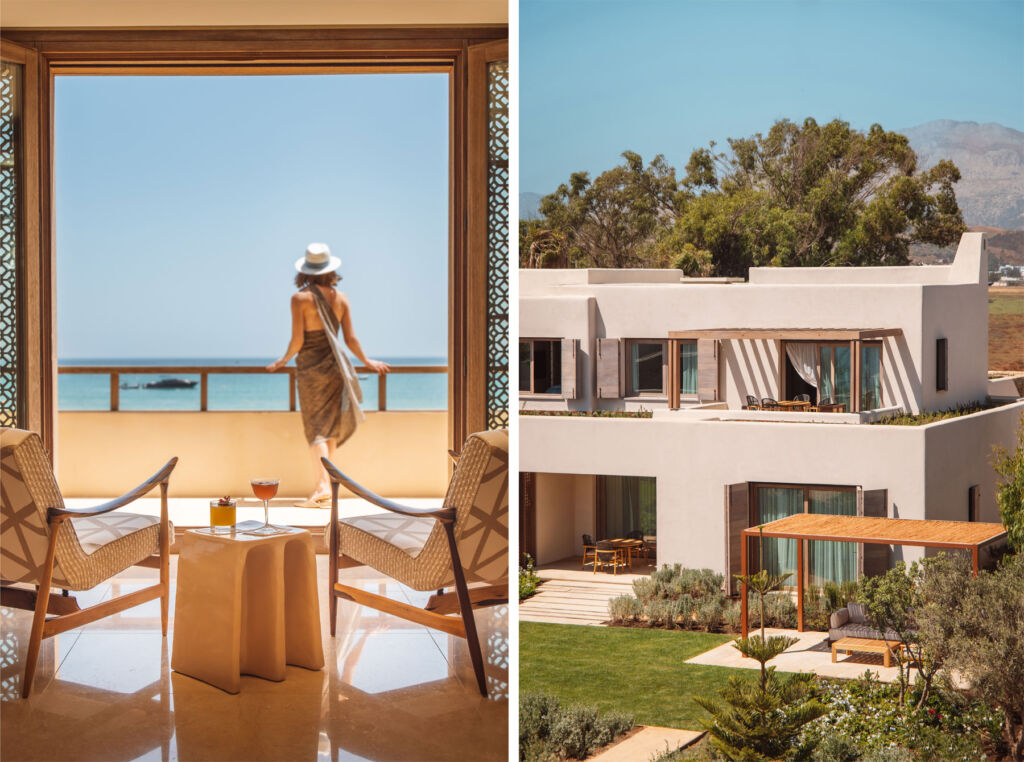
column 390, row 689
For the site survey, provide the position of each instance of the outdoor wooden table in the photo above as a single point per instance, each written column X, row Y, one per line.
column 246, row 604
column 865, row 645
column 794, row 404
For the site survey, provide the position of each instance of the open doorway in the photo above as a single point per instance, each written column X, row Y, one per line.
column 474, row 63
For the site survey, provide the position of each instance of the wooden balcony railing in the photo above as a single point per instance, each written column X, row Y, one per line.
column 204, row 371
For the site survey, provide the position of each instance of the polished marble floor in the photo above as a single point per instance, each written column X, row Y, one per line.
column 391, row 690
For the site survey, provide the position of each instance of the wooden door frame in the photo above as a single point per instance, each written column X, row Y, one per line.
column 48, row 53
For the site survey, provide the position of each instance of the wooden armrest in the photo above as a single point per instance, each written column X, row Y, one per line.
column 59, row 514
column 442, row 514
column 454, row 456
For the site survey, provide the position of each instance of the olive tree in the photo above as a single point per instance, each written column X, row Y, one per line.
column 977, row 623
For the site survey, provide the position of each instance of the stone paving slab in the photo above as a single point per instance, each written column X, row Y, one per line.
column 647, row 744
column 811, row 653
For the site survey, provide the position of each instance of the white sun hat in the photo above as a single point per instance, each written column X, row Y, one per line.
column 318, row 260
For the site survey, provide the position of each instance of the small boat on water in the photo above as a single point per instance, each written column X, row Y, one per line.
column 126, row 385
column 170, row 383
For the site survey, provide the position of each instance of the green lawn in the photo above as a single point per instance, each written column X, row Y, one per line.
column 623, row 669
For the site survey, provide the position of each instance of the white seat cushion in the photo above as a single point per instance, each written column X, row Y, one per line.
column 407, row 533
column 96, row 531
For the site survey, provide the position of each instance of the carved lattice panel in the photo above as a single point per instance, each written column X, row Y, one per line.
column 10, row 84
column 497, row 244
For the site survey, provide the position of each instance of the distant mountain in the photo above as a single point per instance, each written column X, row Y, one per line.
column 529, row 205
column 991, row 162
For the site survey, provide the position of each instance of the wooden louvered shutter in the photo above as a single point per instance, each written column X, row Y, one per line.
column 873, row 559
column 569, row 365
column 737, row 518
column 707, row 370
column 608, row 369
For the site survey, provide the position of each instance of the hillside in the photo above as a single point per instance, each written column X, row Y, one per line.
column 991, row 162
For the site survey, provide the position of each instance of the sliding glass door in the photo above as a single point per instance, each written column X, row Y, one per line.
column 871, row 376
column 831, row 561
column 626, row 507
column 826, row 561
column 834, row 369
column 778, row 556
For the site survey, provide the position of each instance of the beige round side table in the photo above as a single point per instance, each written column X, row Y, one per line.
column 246, row 604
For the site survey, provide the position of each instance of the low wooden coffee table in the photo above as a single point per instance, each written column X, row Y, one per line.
column 865, row 645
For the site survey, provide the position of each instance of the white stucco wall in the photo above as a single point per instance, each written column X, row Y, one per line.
column 924, row 302
column 568, row 502
column 927, row 470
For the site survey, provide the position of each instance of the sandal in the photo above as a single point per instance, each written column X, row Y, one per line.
column 317, row 501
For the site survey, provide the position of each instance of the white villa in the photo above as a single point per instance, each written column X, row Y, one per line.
column 708, row 357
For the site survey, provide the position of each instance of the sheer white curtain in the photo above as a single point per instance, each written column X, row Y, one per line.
column 804, row 356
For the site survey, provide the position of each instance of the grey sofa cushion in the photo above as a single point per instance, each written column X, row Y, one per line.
column 858, row 614
column 838, row 619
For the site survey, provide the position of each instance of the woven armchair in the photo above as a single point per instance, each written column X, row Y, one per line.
column 465, row 541
column 43, row 543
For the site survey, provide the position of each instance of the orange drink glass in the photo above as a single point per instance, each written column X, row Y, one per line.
column 222, row 514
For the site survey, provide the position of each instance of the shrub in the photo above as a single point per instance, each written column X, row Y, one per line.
column 732, row 615
column 709, row 615
column 528, row 580
column 665, row 575
column 686, row 607
column 949, row 727
column 645, row 589
column 624, row 608
column 548, row 731
column 835, row 748
column 661, row 613
column 780, row 611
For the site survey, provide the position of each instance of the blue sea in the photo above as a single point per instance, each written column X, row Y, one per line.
column 257, row 391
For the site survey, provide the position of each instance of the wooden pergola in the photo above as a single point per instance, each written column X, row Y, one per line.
column 958, row 535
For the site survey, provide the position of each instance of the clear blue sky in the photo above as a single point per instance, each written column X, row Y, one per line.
column 183, row 202
column 600, row 77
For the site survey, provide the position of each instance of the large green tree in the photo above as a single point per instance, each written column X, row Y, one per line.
column 802, row 195
column 604, row 222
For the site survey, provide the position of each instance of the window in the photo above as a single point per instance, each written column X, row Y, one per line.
column 688, row 367
column 540, row 366
column 871, row 376
column 827, row 561
column 647, row 366
column 626, row 507
column 941, row 362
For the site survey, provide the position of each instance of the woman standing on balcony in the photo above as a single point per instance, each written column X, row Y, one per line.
column 329, row 393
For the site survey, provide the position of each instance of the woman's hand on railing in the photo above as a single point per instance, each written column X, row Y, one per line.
column 276, row 365
column 376, row 366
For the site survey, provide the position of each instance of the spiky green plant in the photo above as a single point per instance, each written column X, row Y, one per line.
column 762, row 582
column 761, row 720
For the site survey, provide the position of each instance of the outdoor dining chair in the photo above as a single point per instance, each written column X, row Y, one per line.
column 589, row 548
column 608, row 554
column 752, row 403
column 44, row 544
column 464, row 541
column 802, row 398
column 768, row 403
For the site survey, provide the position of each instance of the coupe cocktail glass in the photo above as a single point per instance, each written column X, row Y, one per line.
column 265, row 489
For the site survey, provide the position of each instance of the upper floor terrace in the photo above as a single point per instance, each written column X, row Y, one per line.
column 855, row 343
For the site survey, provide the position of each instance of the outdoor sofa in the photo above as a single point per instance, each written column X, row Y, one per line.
column 852, row 622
